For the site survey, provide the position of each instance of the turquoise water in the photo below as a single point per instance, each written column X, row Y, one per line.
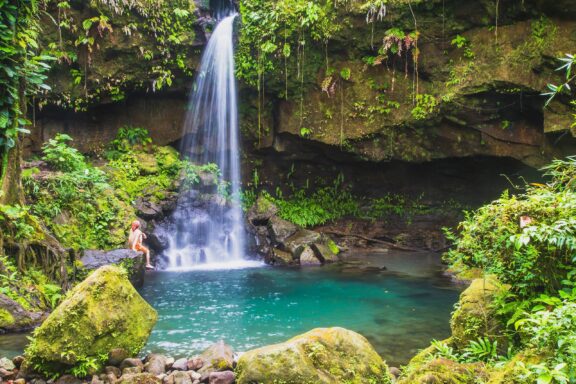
column 252, row 307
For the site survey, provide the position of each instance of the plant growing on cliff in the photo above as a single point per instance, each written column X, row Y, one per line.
column 127, row 139
column 565, row 88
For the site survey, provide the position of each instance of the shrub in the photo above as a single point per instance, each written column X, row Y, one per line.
column 62, row 157
column 536, row 258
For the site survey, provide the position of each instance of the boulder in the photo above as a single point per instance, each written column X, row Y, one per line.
column 139, row 378
column 156, row 364
column 148, row 210
column 131, row 370
column 279, row 230
column 181, row 377
column 101, row 313
column 6, row 363
column 116, row 356
column 218, row 357
column 195, row 363
column 14, row 318
column 7, row 375
column 475, row 316
column 326, row 250
column 323, row 355
column 296, row 243
column 226, row 377
column 18, row 360
column 262, row 211
column 180, row 365
column 279, row 257
column 440, row 370
column 134, row 262
column 308, row 257
column 114, row 371
column 131, row 363
column 68, row 379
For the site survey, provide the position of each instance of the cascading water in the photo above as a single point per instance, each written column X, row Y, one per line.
column 211, row 231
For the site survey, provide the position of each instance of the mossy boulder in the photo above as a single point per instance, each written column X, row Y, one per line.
column 218, row 357
column 475, row 316
column 444, row 371
column 323, row 355
column 15, row 318
column 101, row 313
column 515, row 371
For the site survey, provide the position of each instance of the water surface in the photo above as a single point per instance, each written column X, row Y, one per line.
column 253, row 307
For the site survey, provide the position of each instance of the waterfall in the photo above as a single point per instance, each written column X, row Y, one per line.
column 211, row 232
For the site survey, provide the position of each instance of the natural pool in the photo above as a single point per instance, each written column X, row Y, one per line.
column 399, row 310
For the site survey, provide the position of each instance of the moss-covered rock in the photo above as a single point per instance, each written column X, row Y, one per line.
column 101, row 313
column 515, row 371
column 444, row 371
column 474, row 316
column 15, row 318
column 147, row 163
column 323, row 355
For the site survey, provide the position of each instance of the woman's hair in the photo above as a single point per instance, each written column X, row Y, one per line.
column 135, row 225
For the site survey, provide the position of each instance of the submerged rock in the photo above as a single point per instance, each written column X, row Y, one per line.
column 323, row 355
column 101, row 313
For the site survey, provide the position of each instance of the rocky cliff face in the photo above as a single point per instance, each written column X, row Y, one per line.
column 439, row 80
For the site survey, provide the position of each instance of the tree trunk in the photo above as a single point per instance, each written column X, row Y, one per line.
column 11, row 191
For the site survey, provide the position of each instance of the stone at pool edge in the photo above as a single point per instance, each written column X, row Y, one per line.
column 323, row 356
column 218, row 357
column 132, row 260
column 225, row 377
column 7, row 364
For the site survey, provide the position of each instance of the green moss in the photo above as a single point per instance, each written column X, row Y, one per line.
column 90, row 322
column 446, row 372
column 6, row 318
column 331, row 355
column 333, row 247
column 475, row 315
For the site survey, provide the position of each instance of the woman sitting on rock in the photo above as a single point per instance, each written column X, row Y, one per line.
column 135, row 242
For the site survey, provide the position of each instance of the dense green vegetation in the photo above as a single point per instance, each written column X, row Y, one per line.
column 76, row 32
column 535, row 260
column 376, row 95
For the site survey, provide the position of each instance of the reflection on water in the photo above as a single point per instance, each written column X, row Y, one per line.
column 250, row 308
column 399, row 310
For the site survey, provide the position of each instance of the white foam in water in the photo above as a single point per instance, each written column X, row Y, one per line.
column 212, row 238
column 215, row 266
